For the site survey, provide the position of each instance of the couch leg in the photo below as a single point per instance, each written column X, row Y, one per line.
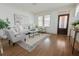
column 9, row 42
column 13, row 44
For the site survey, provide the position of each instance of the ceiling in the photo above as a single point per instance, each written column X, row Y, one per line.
column 37, row 7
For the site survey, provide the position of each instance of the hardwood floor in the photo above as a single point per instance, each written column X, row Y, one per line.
column 55, row 45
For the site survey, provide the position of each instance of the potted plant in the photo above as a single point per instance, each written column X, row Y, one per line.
column 76, row 24
column 3, row 25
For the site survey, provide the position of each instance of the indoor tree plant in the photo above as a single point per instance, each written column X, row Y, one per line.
column 3, row 25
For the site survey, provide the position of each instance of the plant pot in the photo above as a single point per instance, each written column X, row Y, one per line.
column 1, row 32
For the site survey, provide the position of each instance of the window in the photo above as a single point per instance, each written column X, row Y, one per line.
column 40, row 21
column 46, row 20
column 63, row 22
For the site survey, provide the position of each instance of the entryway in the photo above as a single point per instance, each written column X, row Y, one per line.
column 63, row 21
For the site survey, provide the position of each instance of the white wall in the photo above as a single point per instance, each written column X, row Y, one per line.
column 54, row 17
column 8, row 12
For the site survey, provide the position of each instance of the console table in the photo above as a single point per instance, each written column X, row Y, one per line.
column 75, row 35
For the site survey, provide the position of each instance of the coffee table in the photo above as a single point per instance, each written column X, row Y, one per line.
column 31, row 32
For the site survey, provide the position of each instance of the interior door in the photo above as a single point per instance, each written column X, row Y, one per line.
column 63, row 21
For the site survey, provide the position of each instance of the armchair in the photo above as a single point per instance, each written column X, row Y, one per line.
column 15, row 37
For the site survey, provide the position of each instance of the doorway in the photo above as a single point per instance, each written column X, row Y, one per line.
column 63, row 21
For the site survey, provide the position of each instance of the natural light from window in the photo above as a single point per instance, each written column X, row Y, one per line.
column 44, row 21
column 40, row 20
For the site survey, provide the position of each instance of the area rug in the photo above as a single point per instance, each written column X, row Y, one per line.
column 32, row 42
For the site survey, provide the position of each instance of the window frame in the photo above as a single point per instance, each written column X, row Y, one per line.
column 49, row 21
column 43, row 21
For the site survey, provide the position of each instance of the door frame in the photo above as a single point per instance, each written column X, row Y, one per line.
column 67, row 22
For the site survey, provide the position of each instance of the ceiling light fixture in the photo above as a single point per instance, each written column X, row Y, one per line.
column 34, row 3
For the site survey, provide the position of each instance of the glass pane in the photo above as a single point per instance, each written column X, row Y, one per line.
column 47, row 20
column 40, row 21
column 63, row 22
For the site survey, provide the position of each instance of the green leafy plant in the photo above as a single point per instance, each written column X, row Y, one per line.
column 75, row 23
column 3, row 24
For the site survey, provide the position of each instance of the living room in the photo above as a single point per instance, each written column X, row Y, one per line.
column 34, row 29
